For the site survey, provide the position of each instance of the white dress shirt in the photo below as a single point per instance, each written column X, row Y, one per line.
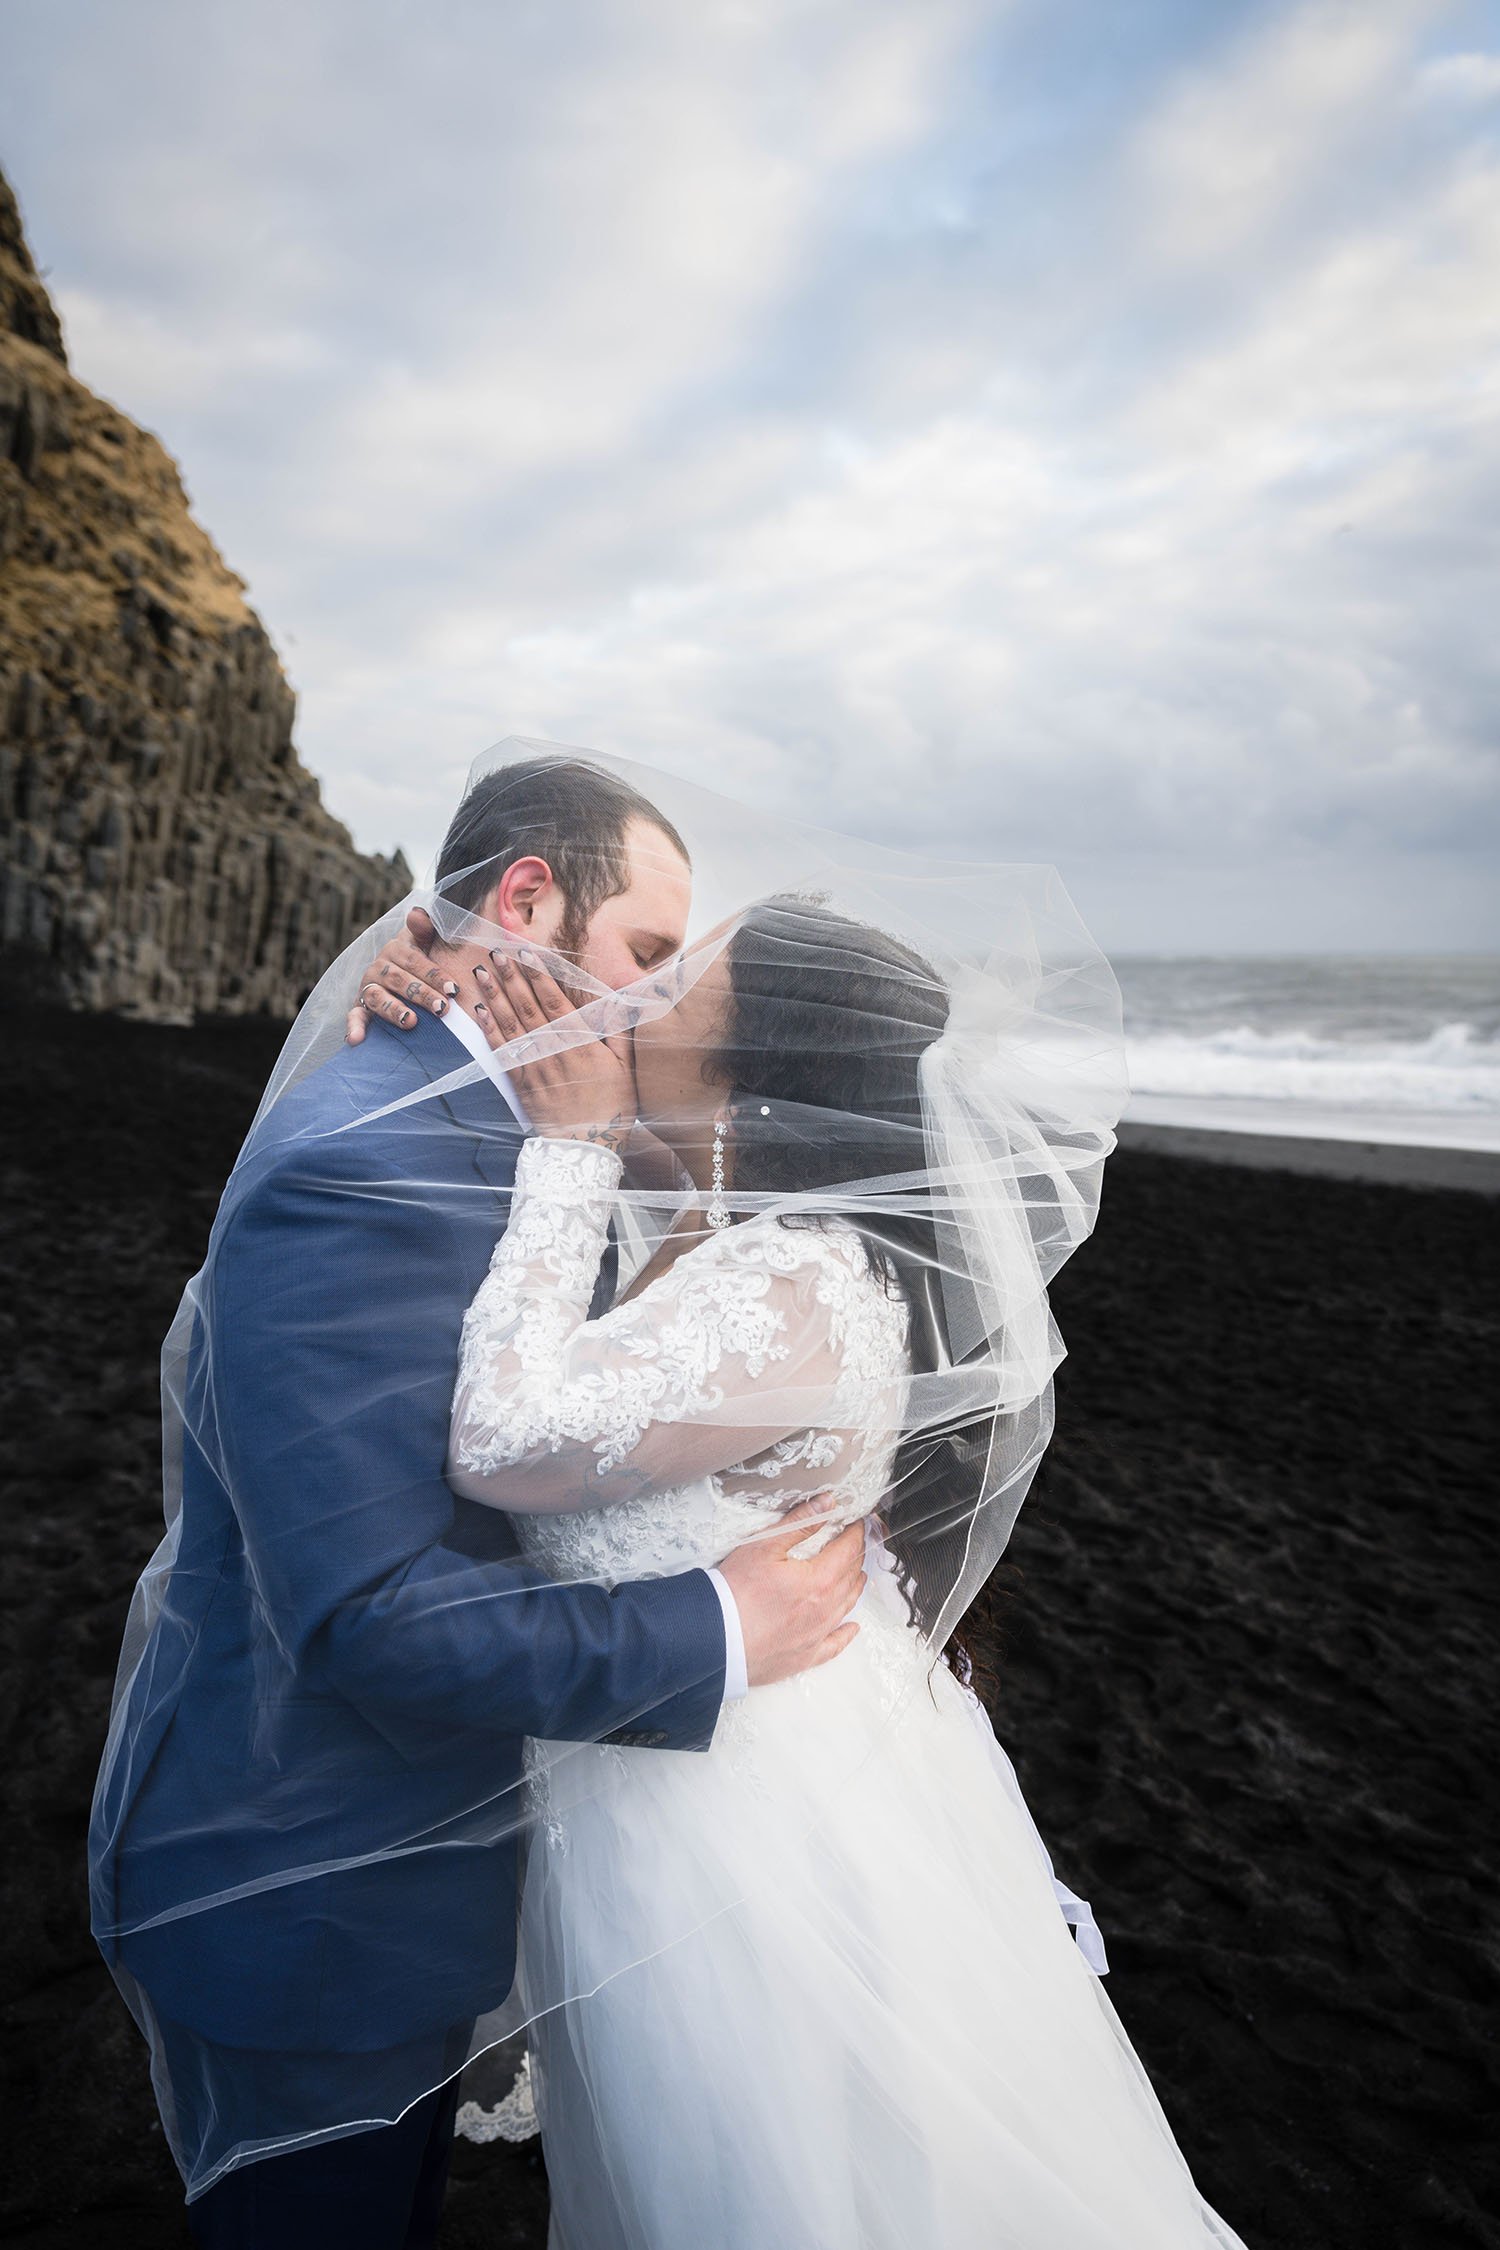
column 736, row 1669
column 468, row 1034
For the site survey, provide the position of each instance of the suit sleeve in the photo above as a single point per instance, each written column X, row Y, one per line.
column 334, row 1313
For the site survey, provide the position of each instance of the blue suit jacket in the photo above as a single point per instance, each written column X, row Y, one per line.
column 347, row 1657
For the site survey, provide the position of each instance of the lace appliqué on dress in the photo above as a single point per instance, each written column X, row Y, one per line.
column 513, row 2119
column 538, row 1381
column 539, row 1795
column 515, row 1333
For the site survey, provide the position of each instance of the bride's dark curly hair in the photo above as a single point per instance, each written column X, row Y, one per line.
column 827, row 1025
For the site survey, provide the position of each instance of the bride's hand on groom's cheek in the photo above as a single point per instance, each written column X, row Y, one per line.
column 584, row 1090
column 403, row 977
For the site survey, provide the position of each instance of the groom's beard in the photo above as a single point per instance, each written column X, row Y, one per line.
column 570, row 945
column 572, row 934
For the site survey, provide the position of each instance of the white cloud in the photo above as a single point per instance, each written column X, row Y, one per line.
column 1229, row 151
column 148, row 355
column 1461, row 78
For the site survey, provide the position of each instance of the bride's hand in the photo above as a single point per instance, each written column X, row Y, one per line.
column 581, row 1093
column 402, row 978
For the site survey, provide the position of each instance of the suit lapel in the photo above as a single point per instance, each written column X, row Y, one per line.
column 491, row 1133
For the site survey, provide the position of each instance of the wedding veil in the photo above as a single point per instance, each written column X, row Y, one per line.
column 926, row 1050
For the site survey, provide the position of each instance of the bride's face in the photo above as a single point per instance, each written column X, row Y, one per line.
column 677, row 1101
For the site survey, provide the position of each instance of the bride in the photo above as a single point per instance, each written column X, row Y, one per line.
column 811, row 1990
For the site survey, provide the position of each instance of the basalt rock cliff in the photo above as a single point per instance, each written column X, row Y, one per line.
column 164, row 851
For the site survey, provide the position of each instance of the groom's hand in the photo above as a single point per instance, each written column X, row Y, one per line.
column 794, row 1609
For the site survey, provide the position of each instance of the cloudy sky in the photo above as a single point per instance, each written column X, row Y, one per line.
column 1063, row 430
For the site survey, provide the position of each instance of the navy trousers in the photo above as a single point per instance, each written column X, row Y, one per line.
column 380, row 2190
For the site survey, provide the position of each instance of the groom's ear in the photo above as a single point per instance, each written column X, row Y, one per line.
column 526, row 887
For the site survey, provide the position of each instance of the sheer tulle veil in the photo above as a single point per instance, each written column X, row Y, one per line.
column 972, row 990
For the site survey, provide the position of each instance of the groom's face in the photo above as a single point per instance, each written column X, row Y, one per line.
column 642, row 925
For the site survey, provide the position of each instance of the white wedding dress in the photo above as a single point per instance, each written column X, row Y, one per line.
column 827, row 1996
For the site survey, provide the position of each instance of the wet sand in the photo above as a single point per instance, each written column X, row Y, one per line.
column 1385, row 1163
column 1246, row 1666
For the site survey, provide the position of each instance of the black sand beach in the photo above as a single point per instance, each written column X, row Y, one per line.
column 1247, row 1673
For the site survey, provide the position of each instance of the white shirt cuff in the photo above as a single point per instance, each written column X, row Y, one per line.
column 736, row 1670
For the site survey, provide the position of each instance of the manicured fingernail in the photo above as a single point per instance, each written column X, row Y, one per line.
column 481, row 976
column 481, row 1011
column 440, row 1007
column 451, row 990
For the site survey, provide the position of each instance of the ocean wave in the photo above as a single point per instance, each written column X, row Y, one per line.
column 1453, row 1068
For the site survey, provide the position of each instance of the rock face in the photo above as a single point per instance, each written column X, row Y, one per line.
column 165, row 853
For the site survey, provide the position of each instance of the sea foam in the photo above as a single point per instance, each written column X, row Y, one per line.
column 1452, row 1069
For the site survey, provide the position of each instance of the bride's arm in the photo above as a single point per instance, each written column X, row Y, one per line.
column 729, row 1350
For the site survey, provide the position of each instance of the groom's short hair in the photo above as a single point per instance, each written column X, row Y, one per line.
column 571, row 814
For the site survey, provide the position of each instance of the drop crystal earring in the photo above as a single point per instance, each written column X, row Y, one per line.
column 718, row 1208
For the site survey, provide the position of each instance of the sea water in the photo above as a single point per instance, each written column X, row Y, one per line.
column 1391, row 1048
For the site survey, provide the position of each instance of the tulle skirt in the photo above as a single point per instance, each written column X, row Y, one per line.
column 826, row 1996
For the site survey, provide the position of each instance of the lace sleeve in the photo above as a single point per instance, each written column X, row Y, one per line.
column 737, row 1346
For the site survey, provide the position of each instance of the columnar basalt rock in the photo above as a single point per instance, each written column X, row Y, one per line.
column 165, row 852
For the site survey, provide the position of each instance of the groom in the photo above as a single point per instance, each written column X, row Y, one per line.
column 295, row 1876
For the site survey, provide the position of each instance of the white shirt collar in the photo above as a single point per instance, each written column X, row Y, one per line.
column 468, row 1034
